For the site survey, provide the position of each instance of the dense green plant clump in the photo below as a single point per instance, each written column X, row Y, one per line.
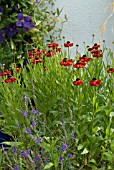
column 26, row 22
column 59, row 111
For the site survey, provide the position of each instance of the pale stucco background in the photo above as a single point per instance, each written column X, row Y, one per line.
column 84, row 19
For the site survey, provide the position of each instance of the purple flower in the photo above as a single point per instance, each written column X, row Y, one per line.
column 20, row 16
column 1, row 10
column 28, row 131
column 25, row 61
column 23, row 154
column 35, row 111
column 37, row 158
column 46, row 160
column 28, row 151
column 61, row 159
column 25, row 98
column 70, row 155
column 39, row 140
column 14, row 149
column 64, row 146
column 19, row 24
column 2, row 38
column 33, row 123
column 12, row 32
column 72, row 136
column 27, row 19
column 24, row 113
column 16, row 167
column 36, row 2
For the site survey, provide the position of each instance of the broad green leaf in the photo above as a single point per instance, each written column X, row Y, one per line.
column 12, row 143
column 85, row 151
column 48, row 166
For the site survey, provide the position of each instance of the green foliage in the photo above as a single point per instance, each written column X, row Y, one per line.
column 13, row 38
column 80, row 116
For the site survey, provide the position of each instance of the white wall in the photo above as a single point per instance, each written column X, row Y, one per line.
column 84, row 19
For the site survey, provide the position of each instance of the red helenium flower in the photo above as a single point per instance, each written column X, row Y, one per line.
column 66, row 62
column 110, row 70
column 68, row 44
column 77, row 82
column 10, row 80
column 96, row 46
column 45, row 68
column 53, row 45
column 4, row 73
column 84, row 58
column 17, row 69
column 50, row 53
column 95, row 82
column 58, row 49
column 79, row 64
column 35, row 61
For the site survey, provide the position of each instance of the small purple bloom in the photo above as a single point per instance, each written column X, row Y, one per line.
column 1, row 10
column 14, row 149
column 12, row 32
column 39, row 140
column 16, row 167
column 2, row 38
column 20, row 16
column 37, row 158
column 27, row 19
column 19, row 24
column 64, row 146
column 25, row 98
column 24, row 113
column 28, row 151
column 36, row 2
column 33, row 123
column 61, row 159
column 23, row 154
column 28, row 131
column 70, row 155
column 25, row 61
column 72, row 136
column 35, row 111
column 46, row 160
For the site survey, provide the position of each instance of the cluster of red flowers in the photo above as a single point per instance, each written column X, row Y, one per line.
column 36, row 56
column 93, row 82
column 96, row 51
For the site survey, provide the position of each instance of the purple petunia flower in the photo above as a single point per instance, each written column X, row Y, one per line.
column 61, row 159
column 24, row 113
column 69, row 155
column 19, row 24
column 27, row 19
column 16, row 167
column 12, row 32
column 20, row 16
column 28, row 131
column 33, row 123
column 64, row 146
